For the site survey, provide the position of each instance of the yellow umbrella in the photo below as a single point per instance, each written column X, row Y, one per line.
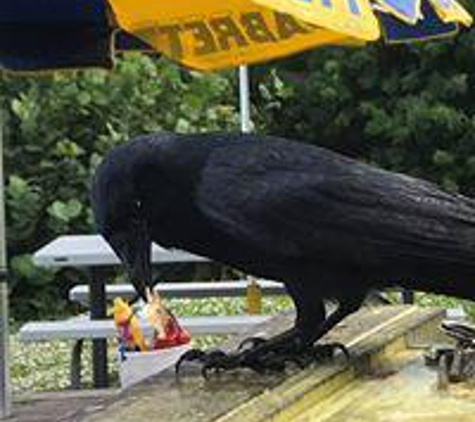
column 213, row 34
column 209, row 34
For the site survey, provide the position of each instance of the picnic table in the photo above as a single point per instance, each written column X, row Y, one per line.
column 93, row 252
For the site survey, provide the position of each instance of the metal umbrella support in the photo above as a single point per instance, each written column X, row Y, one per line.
column 5, row 389
column 244, row 100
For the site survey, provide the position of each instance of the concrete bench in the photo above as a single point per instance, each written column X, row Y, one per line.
column 194, row 290
column 83, row 328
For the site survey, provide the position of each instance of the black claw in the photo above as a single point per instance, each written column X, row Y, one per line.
column 301, row 361
column 342, row 348
column 205, row 371
column 189, row 356
column 214, row 360
column 215, row 355
column 277, row 364
column 252, row 342
column 211, row 367
column 327, row 351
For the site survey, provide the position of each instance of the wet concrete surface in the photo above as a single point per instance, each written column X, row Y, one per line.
column 64, row 406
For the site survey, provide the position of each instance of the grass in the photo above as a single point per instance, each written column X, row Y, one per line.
column 45, row 366
column 447, row 303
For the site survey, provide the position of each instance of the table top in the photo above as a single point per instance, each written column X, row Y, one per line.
column 93, row 250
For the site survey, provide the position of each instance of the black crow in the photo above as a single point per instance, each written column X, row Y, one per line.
column 325, row 225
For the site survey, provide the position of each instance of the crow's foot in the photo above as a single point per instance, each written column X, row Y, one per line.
column 262, row 356
column 213, row 360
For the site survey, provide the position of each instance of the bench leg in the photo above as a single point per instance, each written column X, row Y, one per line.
column 407, row 297
column 98, row 311
column 75, row 370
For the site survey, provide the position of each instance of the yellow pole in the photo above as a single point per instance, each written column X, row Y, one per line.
column 253, row 297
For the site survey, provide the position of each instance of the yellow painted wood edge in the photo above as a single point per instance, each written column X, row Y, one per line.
column 378, row 328
column 287, row 401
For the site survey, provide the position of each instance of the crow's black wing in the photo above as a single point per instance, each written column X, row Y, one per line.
column 296, row 201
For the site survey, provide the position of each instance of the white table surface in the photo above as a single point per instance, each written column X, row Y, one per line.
column 93, row 250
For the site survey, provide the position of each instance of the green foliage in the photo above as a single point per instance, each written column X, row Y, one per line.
column 58, row 127
column 407, row 108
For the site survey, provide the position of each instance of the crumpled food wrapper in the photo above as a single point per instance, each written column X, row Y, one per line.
column 167, row 332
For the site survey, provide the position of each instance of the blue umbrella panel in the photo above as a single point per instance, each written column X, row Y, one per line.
column 38, row 35
column 397, row 31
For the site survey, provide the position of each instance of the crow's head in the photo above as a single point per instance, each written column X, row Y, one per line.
column 119, row 215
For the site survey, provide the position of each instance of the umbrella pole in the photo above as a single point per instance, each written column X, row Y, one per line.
column 244, row 100
column 5, row 392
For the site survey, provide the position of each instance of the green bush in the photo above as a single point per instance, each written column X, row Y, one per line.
column 406, row 108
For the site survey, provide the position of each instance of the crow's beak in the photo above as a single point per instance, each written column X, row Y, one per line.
column 133, row 247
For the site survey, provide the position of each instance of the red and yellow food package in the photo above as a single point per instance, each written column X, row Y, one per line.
column 167, row 330
column 127, row 324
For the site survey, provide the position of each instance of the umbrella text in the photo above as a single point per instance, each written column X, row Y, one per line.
column 224, row 33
